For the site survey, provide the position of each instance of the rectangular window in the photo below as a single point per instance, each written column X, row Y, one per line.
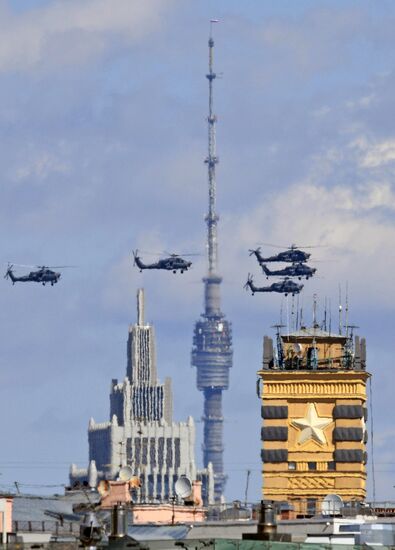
column 291, row 465
column 161, row 451
column 169, row 452
column 152, row 451
column 144, row 451
column 311, row 506
column 137, row 448
column 332, row 466
column 312, row 465
column 177, row 451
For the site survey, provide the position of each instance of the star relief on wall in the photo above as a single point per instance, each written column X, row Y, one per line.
column 311, row 426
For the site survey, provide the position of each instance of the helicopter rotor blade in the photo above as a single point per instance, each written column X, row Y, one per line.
column 57, row 266
column 175, row 255
column 294, row 246
column 322, row 261
column 150, row 253
column 192, row 254
column 22, row 265
column 40, row 266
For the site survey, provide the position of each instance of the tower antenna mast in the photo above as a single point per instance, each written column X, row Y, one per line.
column 212, row 342
column 211, row 161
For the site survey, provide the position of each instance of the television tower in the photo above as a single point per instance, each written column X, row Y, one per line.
column 212, row 342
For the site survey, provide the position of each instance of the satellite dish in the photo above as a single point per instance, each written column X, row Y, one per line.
column 125, row 473
column 103, row 488
column 298, row 349
column 331, row 505
column 183, row 487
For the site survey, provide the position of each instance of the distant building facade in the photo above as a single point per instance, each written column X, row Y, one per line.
column 141, row 432
column 313, row 435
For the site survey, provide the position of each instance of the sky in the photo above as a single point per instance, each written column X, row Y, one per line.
column 103, row 107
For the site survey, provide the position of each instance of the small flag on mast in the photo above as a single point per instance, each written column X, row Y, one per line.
column 211, row 25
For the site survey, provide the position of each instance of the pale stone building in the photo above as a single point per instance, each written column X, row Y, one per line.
column 141, row 432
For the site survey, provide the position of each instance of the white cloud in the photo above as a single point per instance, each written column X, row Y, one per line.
column 73, row 31
column 40, row 167
column 350, row 220
column 364, row 102
column 375, row 153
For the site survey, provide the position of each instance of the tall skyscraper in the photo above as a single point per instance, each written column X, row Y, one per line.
column 212, row 342
column 141, row 433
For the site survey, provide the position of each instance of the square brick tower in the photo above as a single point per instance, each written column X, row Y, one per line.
column 313, row 391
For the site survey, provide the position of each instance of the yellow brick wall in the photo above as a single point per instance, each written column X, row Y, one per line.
column 325, row 390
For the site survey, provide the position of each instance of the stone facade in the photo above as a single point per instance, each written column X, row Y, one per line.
column 140, row 432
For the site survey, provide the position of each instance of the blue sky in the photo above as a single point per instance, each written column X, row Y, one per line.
column 103, row 132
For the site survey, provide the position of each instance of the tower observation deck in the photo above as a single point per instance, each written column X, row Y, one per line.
column 212, row 342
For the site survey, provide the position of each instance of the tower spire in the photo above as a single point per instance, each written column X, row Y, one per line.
column 140, row 307
column 212, row 342
column 211, row 161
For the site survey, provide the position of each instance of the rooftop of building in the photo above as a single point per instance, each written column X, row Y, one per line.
column 314, row 332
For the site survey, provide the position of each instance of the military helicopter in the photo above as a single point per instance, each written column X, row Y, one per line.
column 292, row 254
column 298, row 270
column 42, row 275
column 173, row 263
column 287, row 286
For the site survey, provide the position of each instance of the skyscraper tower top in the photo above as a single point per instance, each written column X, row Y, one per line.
column 141, row 353
column 212, row 342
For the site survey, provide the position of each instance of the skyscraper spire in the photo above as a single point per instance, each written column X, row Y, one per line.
column 212, row 342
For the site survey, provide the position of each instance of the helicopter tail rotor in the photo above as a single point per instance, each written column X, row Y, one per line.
column 256, row 251
column 249, row 282
column 8, row 273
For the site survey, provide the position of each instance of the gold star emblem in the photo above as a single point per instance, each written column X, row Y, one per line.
column 311, row 426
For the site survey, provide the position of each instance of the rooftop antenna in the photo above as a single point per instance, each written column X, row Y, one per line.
column 280, row 351
column 352, row 328
column 293, row 313
column 340, row 309
column 330, row 316
column 314, row 351
column 324, row 323
column 297, row 313
column 246, row 491
column 314, row 311
column 281, row 312
column 346, row 309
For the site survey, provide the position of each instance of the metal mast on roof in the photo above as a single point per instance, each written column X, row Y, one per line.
column 212, row 342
